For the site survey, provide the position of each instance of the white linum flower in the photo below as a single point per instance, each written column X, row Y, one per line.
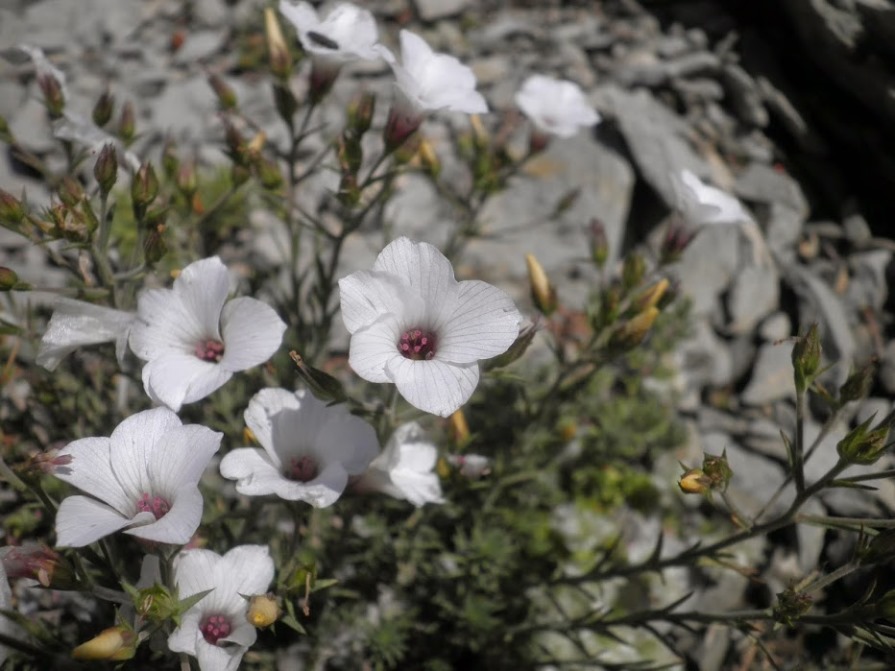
column 215, row 630
column 143, row 479
column 555, row 106
column 347, row 33
column 702, row 204
column 77, row 324
column 193, row 339
column 405, row 468
column 413, row 324
column 310, row 448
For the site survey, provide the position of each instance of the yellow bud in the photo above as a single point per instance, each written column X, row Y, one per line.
column 542, row 292
column 478, row 129
column 429, row 158
column 459, row 427
column 114, row 644
column 635, row 329
column 280, row 60
column 263, row 610
column 443, row 468
column 257, row 144
column 694, row 481
column 652, row 295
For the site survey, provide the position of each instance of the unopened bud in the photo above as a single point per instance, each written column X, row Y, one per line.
column 651, row 296
column 360, row 113
column 324, row 73
column 349, row 153
column 154, row 247
column 806, row 358
column 791, row 605
column 459, row 428
column 236, row 145
column 717, row 470
column 144, row 189
column 599, row 243
column 269, row 174
column 263, row 610
column 401, row 124
column 11, row 210
column 170, row 160
column 863, row 445
column 677, row 239
column 155, row 603
column 632, row 332
column 185, row 179
column 516, row 350
column 40, row 563
column 429, row 159
column 114, row 644
column 323, row 385
column 103, row 109
column 8, row 279
column 127, row 122
column 633, row 270
column 277, row 50
column 858, row 384
column 470, row 466
column 225, row 94
column 284, row 100
column 542, row 292
column 694, row 481
column 105, row 170
column 70, row 192
column 54, row 99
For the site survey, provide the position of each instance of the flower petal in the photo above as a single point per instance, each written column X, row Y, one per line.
column 252, row 333
column 181, row 458
column 203, row 287
column 164, row 325
column 76, row 324
column 217, row 658
column 484, row 323
column 90, row 471
column 81, row 521
column 423, row 267
column 367, row 295
column 186, row 637
column 174, row 379
column 372, row 348
column 252, row 468
column 179, row 524
column 246, row 569
column 434, row 386
column 132, row 445
column 194, row 572
column 348, row 439
column 263, row 407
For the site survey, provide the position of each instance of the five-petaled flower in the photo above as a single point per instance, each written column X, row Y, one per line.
column 427, row 81
column 144, row 479
column 405, row 468
column 310, row 448
column 701, row 204
column 193, row 339
column 216, row 630
column 556, row 107
column 413, row 324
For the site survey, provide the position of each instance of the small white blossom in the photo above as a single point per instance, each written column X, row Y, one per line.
column 215, row 630
column 413, row 324
column 144, row 479
column 471, row 466
column 76, row 324
column 310, row 448
column 347, row 33
column 405, row 469
column 193, row 339
column 557, row 107
column 702, row 204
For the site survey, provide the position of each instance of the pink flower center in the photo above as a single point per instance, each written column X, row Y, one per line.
column 301, row 469
column 215, row 627
column 417, row 344
column 153, row 504
column 210, row 350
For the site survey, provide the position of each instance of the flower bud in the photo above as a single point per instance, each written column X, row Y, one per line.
column 269, row 174
column 651, row 296
column 114, row 644
column 70, row 192
column 858, row 384
column 156, row 603
column 791, row 605
column 40, row 563
column 459, row 428
column 633, row 270
column 11, row 210
column 323, row 75
column 863, row 445
column 263, row 611
column 470, row 466
column 599, row 243
column 323, row 385
column 105, row 170
column 516, row 350
column 185, row 179
column 632, row 332
column 284, row 100
column 349, row 153
column 236, row 144
column 717, row 470
column 429, row 159
column 170, row 160
column 349, row 191
column 8, row 279
column 102, row 110
column 277, row 50
column 225, row 94
column 127, row 122
column 677, row 239
column 360, row 113
column 144, row 189
column 401, row 124
column 806, row 358
column 694, row 481
column 543, row 293
column 54, row 99
column 154, row 247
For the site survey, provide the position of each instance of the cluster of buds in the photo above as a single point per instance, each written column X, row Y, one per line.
column 714, row 476
column 642, row 311
column 791, row 605
column 38, row 562
column 864, row 445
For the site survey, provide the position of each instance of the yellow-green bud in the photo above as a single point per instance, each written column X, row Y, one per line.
column 8, row 279
column 269, row 174
column 857, row 386
column 70, row 192
column 277, row 51
column 323, row 385
column 11, row 210
column 127, row 122
column 694, row 481
column 144, row 189
column 103, row 109
column 114, row 644
column 186, row 179
column 224, row 92
column 633, row 270
column 806, row 358
column 599, row 243
column 360, row 113
column 105, row 170
column 264, row 610
column 863, row 445
column 54, row 99
column 543, row 294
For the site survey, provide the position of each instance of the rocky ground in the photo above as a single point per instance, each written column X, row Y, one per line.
column 679, row 85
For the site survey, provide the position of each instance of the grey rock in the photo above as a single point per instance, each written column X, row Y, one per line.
column 744, row 95
column 184, row 108
column 762, row 183
column 211, row 13
column 776, row 326
column 30, row 125
column 784, row 227
column 742, row 355
column 199, row 45
column 868, row 286
column 755, row 480
column 755, row 294
column 708, row 266
column 810, row 538
column 857, row 230
column 772, row 378
column 704, row 359
column 873, row 407
column 417, row 211
column 699, row 89
column 433, row 10
column 780, row 106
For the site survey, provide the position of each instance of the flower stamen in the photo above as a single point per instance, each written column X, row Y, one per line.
column 417, row 344
column 302, row 469
column 215, row 627
column 210, row 350
column 147, row 503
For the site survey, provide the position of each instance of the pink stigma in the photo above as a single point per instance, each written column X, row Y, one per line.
column 417, row 344
column 210, row 350
column 153, row 504
column 215, row 627
column 301, row 469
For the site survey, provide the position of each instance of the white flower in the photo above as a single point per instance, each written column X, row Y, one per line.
column 215, row 630
column 144, row 479
column 347, row 33
column 310, row 448
column 471, row 466
column 556, row 107
column 75, row 324
column 414, row 325
column 702, row 204
column 405, row 468
column 193, row 339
